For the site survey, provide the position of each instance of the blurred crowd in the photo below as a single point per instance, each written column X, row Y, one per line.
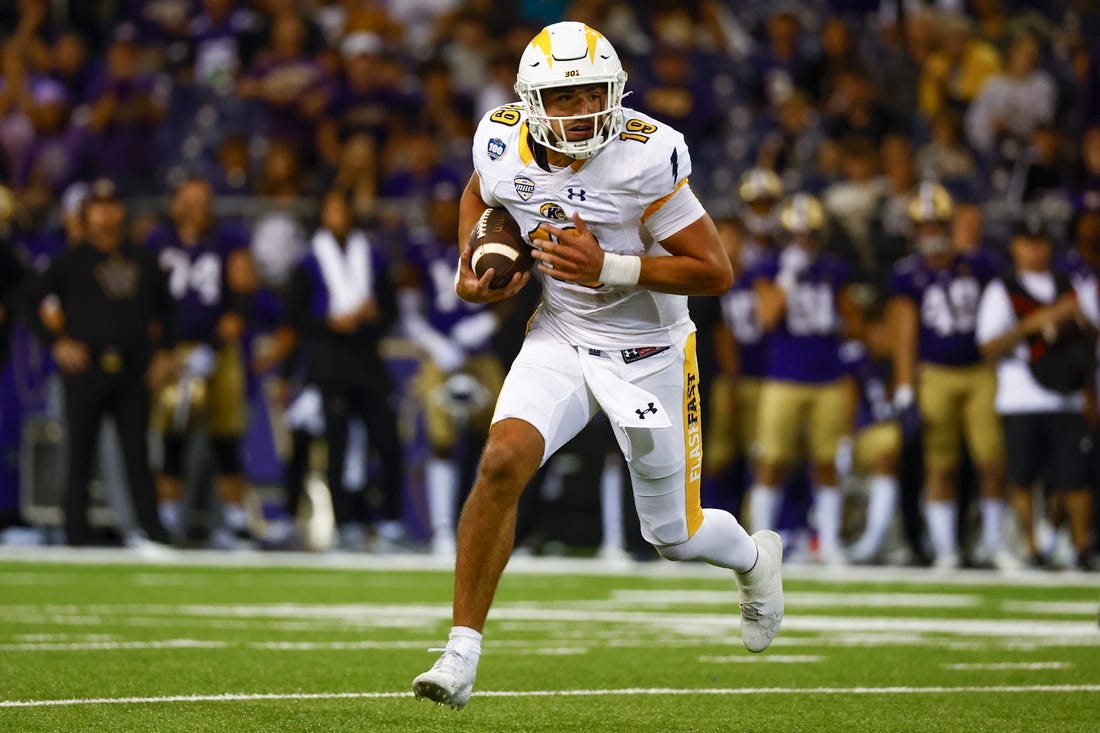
column 232, row 135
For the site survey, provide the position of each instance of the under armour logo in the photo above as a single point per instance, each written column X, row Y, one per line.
column 576, row 193
column 642, row 413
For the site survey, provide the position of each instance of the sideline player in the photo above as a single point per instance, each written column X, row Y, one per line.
column 804, row 302
column 209, row 274
column 933, row 311
column 612, row 331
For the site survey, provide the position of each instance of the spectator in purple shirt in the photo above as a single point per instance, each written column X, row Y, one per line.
column 58, row 155
column 416, row 166
column 215, row 36
column 291, row 85
column 69, row 64
column 362, row 102
column 782, row 65
column 677, row 95
column 126, row 111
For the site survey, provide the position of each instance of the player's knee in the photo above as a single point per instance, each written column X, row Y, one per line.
column 511, row 457
column 678, row 551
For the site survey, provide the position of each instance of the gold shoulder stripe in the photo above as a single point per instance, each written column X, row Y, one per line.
column 525, row 153
column 652, row 208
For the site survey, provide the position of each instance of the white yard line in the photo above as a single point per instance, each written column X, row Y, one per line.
column 417, row 614
column 1075, row 608
column 92, row 646
column 629, row 691
column 765, row 659
column 998, row 666
column 534, row 566
column 805, row 599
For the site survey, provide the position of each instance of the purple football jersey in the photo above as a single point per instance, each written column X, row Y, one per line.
column 803, row 347
column 435, row 262
column 872, row 377
column 947, row 301
column 197, row 276
column 739, row 313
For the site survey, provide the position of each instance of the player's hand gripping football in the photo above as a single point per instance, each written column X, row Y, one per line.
column 474, row 290
column 572, row 254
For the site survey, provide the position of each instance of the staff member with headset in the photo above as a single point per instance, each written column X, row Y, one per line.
column 119, row 325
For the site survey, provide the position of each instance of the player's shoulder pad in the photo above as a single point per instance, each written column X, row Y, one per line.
column 658, row 151
column 498, row 132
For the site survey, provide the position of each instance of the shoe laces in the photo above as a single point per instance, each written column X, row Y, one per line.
column 751, row 611
column 452, row 662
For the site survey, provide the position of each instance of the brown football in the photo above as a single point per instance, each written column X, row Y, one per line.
column 497, row 242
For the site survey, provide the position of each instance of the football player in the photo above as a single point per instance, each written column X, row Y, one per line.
column 760, row 192
column 603, row 193
column 933, row 308
column 735, row 392
column 875, row 447
column 459, row 380
column 804, row 303
column 210, row 273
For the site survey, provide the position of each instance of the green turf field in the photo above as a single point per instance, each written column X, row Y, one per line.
column 103, row 642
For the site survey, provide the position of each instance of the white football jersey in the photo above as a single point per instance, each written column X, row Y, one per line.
column 615, row 192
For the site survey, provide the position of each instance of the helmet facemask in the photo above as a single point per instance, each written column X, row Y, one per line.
column 571, row 55
column 608, row 122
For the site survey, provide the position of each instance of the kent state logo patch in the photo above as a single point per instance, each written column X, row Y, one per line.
column 524, row 187
column 553, row 211
column 496, row 148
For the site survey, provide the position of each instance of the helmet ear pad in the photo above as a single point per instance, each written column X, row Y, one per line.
column 570, row 54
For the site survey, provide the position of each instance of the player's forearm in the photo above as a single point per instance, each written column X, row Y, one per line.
column 684, row 275
column 771, row 304
column 902, row 317
column 470, row 208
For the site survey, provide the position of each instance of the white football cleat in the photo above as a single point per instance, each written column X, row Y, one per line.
column 946, row 562
column 761, row 590
column 449, row 682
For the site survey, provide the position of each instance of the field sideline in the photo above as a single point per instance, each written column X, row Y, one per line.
column 104, row 640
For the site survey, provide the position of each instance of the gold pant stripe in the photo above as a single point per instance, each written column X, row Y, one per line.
column 693, row 438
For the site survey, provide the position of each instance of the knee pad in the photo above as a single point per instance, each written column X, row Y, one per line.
column 662, row 508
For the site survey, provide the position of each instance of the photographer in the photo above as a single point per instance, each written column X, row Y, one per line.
column 1030, row 324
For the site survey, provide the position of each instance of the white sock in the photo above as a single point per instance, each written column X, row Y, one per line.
column 940, row 516
column 993, row 520
column 881, row 500
column 441, row 477
column 764, row 502
column 827, row 506
column 720, row 541
column 465, row 641
column 170, row 515
column 234, row 516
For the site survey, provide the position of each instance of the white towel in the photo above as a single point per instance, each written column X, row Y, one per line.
column 347, row 271
column 627, row 405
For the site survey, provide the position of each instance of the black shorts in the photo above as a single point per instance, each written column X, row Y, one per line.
column 1052, row 446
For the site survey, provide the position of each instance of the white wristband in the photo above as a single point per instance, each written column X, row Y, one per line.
column 620, row 269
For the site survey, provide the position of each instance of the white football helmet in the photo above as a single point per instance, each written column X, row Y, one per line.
column 571, row 54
